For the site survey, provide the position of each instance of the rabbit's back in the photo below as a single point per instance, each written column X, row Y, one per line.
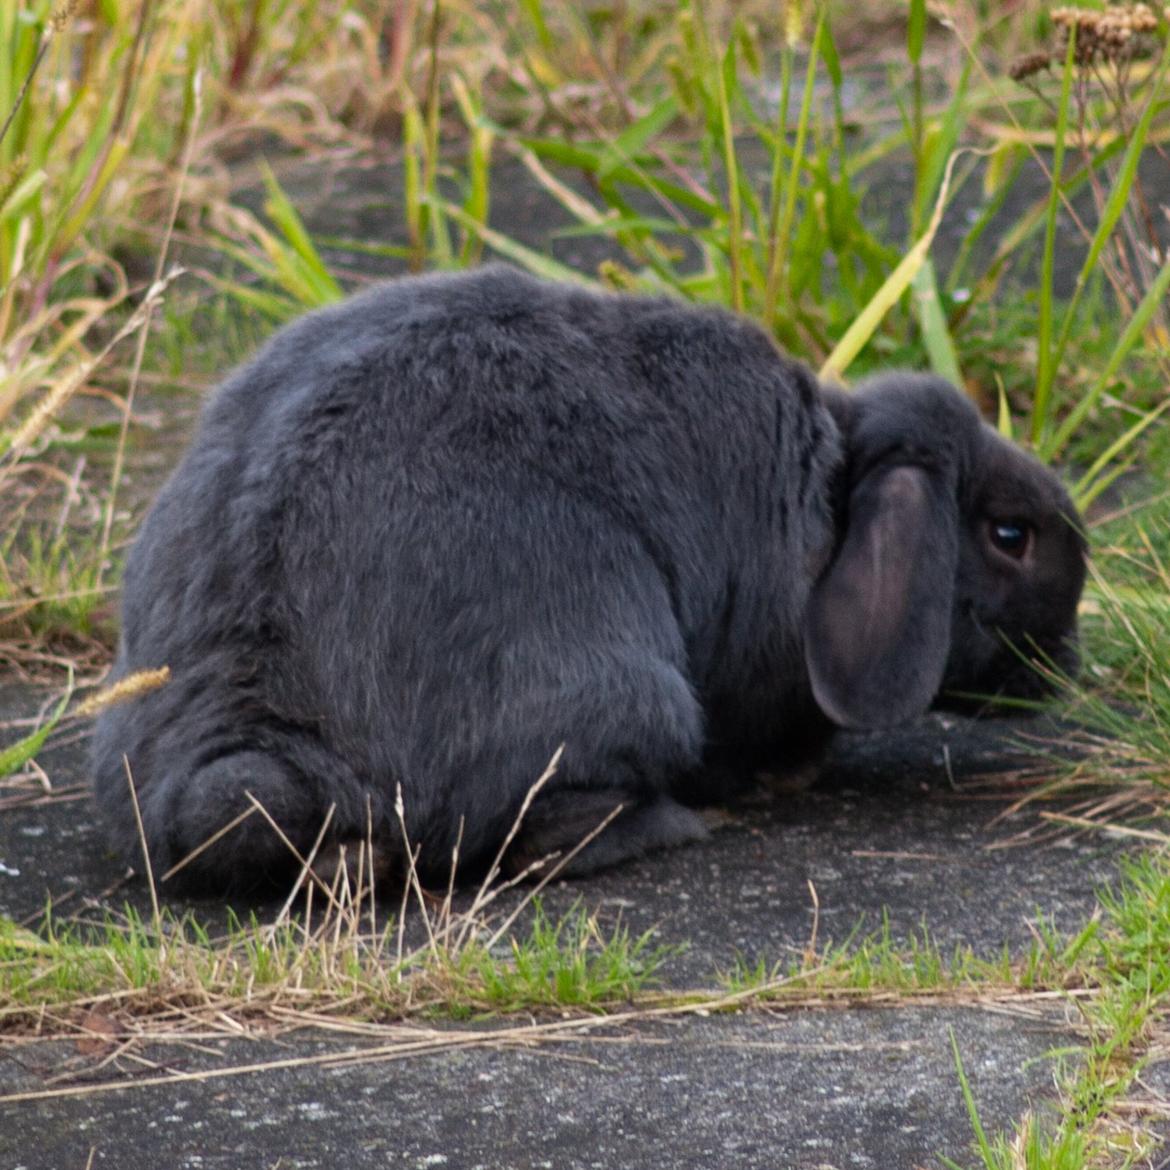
column 456, row 431
column 430, row 525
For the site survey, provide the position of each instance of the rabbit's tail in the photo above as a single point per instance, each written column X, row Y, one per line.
column 230, row 797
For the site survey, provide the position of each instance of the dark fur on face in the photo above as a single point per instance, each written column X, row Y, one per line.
column 1000, row 570
column 429, row 535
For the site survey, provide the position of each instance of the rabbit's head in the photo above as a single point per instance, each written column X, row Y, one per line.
column 959, row 561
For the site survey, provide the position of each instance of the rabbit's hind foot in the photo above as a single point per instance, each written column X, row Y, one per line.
column 615, row 826
column 241, row 822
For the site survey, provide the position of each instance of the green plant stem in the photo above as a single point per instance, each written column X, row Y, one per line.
column 1132, row 333
column 46, row 40
column 915, row 39
column 730, row 161
column 775, row 260
column 780, row 231
column 1046, row 371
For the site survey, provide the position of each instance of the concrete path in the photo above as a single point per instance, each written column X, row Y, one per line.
column 897, row 827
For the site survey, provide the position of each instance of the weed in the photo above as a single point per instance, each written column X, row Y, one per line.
column 1128, row 963
column 1121, row 760
column 568, row 963
column 878, row 962
column 1104, row 102
column 331, row 967
column 18, row 754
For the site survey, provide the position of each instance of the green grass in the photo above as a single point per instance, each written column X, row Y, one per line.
column 1115, row 972
column 573, row 962
column 880, row 962
column 1122, row 700
column 1128, row 964
column 53, row 583
column 465, row 966
column 15, row 756
column 1122, row 778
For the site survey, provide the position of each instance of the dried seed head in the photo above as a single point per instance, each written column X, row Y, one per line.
column 12, row 175
column 125, row 689
column 1117, row 33
column 793, row 23
column 1028, row 65
column 62, row 16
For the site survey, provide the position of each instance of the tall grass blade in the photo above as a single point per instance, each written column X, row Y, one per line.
column 439, row 235
column 534, row 11
column 481, row 136
column 915, row 39
column 858, row 334
column 932, row 321
column 725, row 76
column 1003, row 419
column 1153, row 300
column 981, row 1141
column 1046, row 370
column 916, row 30
column 587, row 157
column 415, row 212
column 780, row 226
column 1110, row 215
column 535, row 262
column 937, row 148
column 577, row 205
column 634, row 138
column 999, row 182
column 19, row 753
column 1093, row 482
column 308, row 269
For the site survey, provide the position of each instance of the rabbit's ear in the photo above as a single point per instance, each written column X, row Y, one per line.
column 878, row 628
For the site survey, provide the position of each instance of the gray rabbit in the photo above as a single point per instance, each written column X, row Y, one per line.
column 430, row 534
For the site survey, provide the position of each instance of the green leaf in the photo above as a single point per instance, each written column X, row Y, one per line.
column 916, row 33
column 866, row 323
column 19, row 753
column 588, row 157
column 1114, row 206
column 984, row 1146
column 781, row 216
column 614, row 224
column 535, row 13
column 941, row 145
column 749, row 46
column 633, row 139
column 1045, row 371
column 303, row 269
column 831, row 59
column 1130, row 336
column 932, row 321
column 535, row 262
column 1003, row 422
column 22, row 193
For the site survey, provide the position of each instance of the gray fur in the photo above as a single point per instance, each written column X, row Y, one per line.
column 430, row 534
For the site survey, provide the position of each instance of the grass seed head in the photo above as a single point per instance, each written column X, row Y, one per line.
column 62, row 16
column 125, row 689
column 11, row 176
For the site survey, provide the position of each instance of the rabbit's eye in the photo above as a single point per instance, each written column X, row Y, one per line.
column 1011, row 537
